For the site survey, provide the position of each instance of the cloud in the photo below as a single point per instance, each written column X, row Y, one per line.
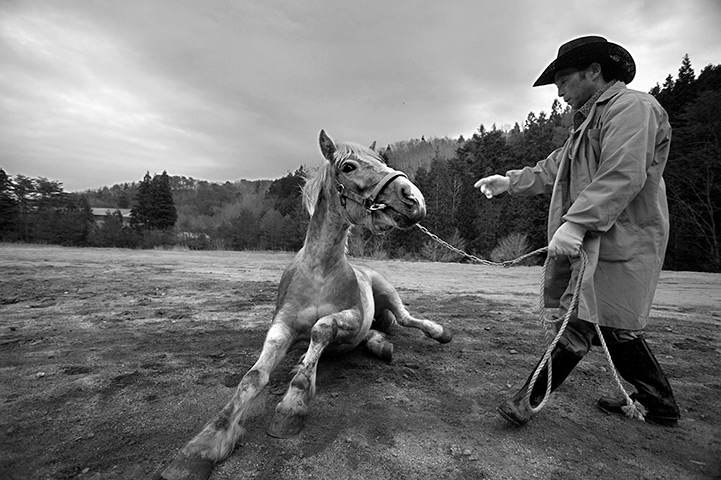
column 100, row 92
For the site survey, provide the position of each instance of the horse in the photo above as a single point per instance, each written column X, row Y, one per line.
column 322, row 298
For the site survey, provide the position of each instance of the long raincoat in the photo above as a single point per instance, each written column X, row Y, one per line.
column 608, row 179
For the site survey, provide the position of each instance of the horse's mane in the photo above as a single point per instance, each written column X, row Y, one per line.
column 322, row 175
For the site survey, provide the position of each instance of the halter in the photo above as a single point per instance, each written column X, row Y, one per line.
column 369, row 202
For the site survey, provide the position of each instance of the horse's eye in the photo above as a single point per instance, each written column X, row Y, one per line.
column 347, row 167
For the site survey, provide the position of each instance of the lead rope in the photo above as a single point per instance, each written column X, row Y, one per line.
column 631, row 409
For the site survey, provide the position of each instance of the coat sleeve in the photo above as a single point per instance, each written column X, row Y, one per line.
column 537, row 179
column 627, row 141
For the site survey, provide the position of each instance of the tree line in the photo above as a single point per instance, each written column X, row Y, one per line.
column 37, row 210
column 268, row 214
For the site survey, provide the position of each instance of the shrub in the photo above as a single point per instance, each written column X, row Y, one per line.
column 436, row 252
column 510, row 248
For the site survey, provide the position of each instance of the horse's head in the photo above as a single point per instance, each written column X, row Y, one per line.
column 371, row 193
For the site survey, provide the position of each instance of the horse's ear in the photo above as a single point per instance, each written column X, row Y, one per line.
column 385, row 155
column 373, row 146
column 327, row 147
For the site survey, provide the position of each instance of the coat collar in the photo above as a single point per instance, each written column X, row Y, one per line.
column 582, row 115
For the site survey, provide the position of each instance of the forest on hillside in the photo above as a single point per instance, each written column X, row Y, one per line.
column 268, row 214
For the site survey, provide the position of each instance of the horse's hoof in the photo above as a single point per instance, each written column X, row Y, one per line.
column 185, row 467
column 286, row 426
column 446, row 336
column 387, row 352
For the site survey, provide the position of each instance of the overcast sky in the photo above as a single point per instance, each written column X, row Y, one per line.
column 94, row 93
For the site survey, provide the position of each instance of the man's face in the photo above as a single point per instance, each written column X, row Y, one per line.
column 576, row 87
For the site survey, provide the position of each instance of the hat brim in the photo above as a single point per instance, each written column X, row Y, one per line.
column 606, row 53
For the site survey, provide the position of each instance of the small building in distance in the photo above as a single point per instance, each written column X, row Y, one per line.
column 100, row 213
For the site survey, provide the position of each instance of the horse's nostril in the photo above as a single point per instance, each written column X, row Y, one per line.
column 408, row 197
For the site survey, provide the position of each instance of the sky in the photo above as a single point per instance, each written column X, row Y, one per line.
column 94, row 93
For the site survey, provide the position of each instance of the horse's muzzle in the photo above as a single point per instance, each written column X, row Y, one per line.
column 411, row 208
column 413, row 199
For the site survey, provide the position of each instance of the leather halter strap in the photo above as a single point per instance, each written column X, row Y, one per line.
column 369, row 202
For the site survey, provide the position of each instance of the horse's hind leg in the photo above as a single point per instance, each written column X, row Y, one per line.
column 383, row 321
column 378, row 344
column 386, row 298
column 219, row 436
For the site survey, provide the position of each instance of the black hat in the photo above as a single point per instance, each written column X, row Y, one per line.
column 615, row 60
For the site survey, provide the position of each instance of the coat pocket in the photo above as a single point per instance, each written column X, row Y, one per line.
column 620, row 242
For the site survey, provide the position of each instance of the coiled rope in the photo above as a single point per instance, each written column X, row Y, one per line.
column 631, row 409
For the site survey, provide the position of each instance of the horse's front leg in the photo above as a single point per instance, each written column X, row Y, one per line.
column 219, row 436
column 291, row 412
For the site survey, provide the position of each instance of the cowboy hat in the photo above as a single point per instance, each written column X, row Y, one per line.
column 615, row 60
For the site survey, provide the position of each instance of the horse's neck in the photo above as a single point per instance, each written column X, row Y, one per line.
column 327, row 235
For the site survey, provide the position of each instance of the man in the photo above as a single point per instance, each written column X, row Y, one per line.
column 608, row 196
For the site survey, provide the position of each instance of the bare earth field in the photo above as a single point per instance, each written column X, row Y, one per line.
column 110, row 360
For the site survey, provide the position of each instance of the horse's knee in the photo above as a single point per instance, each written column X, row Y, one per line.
column 254, row 380
column 324, row 332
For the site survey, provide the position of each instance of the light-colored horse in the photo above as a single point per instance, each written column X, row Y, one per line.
column 321, row 298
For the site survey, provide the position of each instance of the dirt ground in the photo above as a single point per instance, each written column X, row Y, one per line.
column 110, row 360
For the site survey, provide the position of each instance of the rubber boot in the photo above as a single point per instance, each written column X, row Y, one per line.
column 638, row 366
column 516, row 410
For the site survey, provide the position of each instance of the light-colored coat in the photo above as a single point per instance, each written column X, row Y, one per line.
column 608, row 179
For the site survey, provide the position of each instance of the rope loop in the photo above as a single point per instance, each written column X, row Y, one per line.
column 632, row 409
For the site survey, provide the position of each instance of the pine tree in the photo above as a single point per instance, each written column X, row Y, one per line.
column 8, row 207
column 154, row 208
column 140, row 213
column 693, row 169
column 164, row 214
